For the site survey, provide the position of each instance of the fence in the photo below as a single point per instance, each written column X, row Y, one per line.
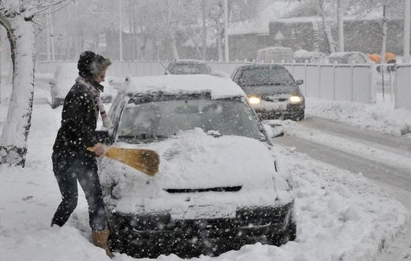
column 341, row 82
column 402, row 90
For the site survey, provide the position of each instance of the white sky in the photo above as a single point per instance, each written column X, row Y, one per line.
column 340, row 215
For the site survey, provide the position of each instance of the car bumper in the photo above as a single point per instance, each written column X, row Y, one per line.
column 152, row 235
column 272, row 111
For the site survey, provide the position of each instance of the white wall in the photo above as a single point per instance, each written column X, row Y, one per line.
column 323, row 81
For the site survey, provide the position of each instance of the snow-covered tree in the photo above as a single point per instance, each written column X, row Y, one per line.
column 16, row 16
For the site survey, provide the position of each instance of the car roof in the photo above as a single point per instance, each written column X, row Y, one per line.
column 344, row 54
column 262, row 65
column 218, row 86
column 188, row 61
column 281, row 48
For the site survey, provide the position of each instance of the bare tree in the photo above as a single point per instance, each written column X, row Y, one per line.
column 16, row 17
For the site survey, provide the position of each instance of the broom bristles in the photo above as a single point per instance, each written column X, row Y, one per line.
column 143, row 160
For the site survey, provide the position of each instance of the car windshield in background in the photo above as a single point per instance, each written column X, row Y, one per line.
column 190, row 68
column 266, row 76
column 158, row 120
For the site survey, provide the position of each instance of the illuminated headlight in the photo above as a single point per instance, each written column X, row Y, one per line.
column 254, row 100
column 295, row 99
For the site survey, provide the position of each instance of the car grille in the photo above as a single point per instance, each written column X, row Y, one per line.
column 274, row 98
column 216, row 189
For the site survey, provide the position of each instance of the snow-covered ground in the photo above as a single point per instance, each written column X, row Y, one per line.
column 340, row 215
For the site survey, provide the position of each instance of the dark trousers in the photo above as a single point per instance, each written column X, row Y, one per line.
column 68, row 170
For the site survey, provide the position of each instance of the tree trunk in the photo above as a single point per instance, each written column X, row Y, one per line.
column 219, row 40
column 13, row 141
column 327, row 27
column 174, row 48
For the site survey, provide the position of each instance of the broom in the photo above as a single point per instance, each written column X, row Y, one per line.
column 144, row 160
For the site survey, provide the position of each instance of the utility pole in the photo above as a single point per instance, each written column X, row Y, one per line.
column 340, row 27
column 204, row 40
column 384, row 35
column 226, row 30
column 53, row 57
column 407, row 32
column 48, row 37
column 1, row 50
column 120, row 32
column 383, row 48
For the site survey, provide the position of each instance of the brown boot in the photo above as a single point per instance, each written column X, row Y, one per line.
column 100, row 239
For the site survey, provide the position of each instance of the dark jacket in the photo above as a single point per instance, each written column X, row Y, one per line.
column 78, row 121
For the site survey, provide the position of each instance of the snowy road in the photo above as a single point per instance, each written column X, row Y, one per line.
column 382, row 158
column 377, row 156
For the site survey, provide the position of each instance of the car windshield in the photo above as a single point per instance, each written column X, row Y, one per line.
column 266, row 76
column 156, row 120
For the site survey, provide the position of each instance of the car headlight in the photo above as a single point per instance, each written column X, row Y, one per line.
column 295, row 99
column 254, row 100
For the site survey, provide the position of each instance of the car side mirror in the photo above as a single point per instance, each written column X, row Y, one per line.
column 273, row 129
column 299, row 82
column 104, row 137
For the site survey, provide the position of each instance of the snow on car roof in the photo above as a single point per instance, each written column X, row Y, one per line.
column 189, row 61
column 342, row 54
column 219, row 86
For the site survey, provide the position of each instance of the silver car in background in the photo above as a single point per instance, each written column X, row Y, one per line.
column 63, row 79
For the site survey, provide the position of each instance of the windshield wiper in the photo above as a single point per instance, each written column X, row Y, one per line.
column 276, row 83
column 142, row 136
column 215, row 134
column 126, row 137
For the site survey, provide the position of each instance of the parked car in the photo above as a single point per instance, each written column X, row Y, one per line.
column 188, row 66
column 274, row 54
column 64, row 78
column 218, row 185
column 348, row 58
column 303, row 56
column 272, row 91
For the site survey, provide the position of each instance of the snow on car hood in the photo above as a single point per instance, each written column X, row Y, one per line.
column 195, row 160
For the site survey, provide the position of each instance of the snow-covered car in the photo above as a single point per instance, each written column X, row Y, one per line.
column 219, row 185
column 272, row 91
column 348, row 58
column 303, row 56
column 64, row 78
column 188, row 66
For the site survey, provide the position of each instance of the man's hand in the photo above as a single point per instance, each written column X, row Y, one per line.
column 99, row 149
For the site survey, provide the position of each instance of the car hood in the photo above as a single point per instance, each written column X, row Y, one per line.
column 198, row 160
column 194, row 161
